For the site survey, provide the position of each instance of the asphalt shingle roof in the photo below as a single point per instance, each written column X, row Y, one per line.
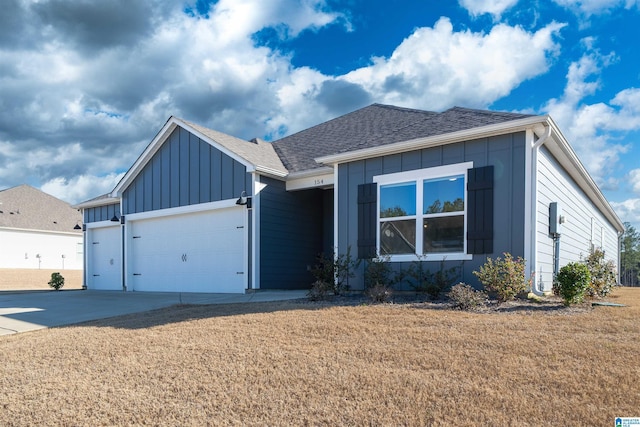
column 28, row 208
column 377, row 125
column 256, row 152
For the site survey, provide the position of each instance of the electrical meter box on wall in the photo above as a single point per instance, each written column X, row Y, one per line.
column 556, row 219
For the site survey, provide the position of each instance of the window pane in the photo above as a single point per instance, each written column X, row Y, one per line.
column 443, row 195
column 398, row 237
column 445, row 234
column 398, row 200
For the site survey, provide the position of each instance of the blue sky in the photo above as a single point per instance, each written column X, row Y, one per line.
column 86, row 85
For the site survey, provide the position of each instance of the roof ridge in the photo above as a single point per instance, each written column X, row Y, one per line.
column 485, row 111
column 413, row 110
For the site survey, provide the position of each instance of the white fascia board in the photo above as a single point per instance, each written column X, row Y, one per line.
column 273, row 173
column 96, row 203
column 200, row 207
column 562, row 151
column 433, row 141
column 34, row 231
column 314, row 178
column 158, row 141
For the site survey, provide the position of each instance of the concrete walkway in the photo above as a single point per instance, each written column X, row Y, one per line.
column 30, row 311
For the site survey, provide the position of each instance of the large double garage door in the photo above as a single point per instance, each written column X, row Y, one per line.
column 193, row 252
column 196, row 252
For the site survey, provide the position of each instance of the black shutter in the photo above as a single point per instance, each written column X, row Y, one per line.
column 480, row 210
column 367, row 227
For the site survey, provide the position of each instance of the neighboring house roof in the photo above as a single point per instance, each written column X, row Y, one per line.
column 377, row 125
column 27, row 208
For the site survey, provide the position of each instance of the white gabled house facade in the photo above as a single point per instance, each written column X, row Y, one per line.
column 38, row 231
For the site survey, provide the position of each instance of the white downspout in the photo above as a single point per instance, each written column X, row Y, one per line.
column 531, row 202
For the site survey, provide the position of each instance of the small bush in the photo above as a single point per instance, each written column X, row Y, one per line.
column 505, row 276
column 378, row 271
column 465, row 297
column 603, row 274
column 380, row 293
column 572, row 282
column 335, row 270
column 319, row 290
column 57, row 281
column 434, row 284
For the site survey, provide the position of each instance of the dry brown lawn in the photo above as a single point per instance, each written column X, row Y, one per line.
column 300, row 363
column 20, row 279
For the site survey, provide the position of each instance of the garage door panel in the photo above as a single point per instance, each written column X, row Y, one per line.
column 104, row 267
column 201, row 252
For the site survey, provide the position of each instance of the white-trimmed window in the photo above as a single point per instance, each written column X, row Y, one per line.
column 423, row 213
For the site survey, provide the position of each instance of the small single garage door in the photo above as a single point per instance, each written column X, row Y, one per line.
column 104, row 270
column 196, row 252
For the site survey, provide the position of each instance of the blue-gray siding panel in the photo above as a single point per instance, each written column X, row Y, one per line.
column 184, row 167
column 174, row 169
column 101, row 213
column 165, row 179
column 291, row 234
column 185, row 171
column 506, row 153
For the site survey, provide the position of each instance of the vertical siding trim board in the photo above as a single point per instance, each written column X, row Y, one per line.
column 255, row 231
column 367, row 220
column 480, row 211
column 336, row 193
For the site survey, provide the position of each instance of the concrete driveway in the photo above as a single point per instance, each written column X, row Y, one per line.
column 30, row 311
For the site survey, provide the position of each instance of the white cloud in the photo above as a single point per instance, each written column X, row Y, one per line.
column 437, row 68
column 492, row 7
column 78, row 105
column 594, row 129
column 75, row 190
column 629, row 210
column 596, row 7
column 634, row 180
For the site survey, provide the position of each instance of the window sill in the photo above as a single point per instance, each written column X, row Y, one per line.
column 431, row 257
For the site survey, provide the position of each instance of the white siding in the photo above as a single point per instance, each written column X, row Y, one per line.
column 584, row 223
column 47, row 250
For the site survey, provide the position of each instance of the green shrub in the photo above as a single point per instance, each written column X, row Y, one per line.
column 335, row 270
column 603, row 274
column 319, row 290
column 572, row 282
column 465, row 297
column 378, row 271
column 505, row 277
column 57, row 281
column 380, row 293
column 434, row 284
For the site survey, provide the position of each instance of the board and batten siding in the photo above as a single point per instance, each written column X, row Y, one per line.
column 185, row 171
column 291, row 234
column 505, row 152
column 101, row 213
column 584, row 224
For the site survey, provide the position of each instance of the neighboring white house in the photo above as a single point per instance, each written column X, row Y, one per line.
column 39, row 231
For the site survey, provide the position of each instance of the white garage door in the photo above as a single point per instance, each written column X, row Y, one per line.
column 196, row 252
column 104, row 270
